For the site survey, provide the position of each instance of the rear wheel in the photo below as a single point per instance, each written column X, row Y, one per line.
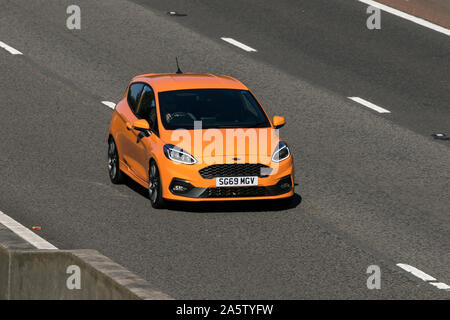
column 154, row 187
column 115, row 174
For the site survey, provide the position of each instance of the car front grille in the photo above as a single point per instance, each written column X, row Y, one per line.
column 235, row 170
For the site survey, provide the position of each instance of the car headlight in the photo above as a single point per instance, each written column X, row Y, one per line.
column 177, row 154
column 281, row 152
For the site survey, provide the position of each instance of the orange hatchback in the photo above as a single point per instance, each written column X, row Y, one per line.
column 197, row 137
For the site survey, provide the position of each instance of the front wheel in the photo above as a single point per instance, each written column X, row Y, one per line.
column 115, row 174
column 154, row 187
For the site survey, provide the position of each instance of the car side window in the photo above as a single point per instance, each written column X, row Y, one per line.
column 147, row 108
column 134, row 95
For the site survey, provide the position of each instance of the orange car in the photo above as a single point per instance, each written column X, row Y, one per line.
column 197, row 137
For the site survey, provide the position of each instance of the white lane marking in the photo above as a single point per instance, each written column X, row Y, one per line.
column 440, row 285
column 9, row 48
column 239, row 44
column 109, row 104
column 406, row 16
column 369, row 105
column 423, row 276
column 25, row 233
column 418, row 273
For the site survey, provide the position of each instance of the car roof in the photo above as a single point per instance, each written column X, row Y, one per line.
column 173, row 81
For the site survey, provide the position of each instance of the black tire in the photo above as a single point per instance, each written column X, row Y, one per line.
column 154, row 187
column 115, row 174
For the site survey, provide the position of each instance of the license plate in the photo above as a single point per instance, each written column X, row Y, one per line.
column 236, row 181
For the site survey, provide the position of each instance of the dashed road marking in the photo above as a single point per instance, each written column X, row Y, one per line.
column 423, row 276
column 369, row 105
column 9, row 48
column 25, row 233
column 416, row 272
column 440, row 285
column 239, row 44
column 109, row 104
column 406, row 16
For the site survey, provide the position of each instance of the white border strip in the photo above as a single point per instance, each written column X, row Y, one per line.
column 239, row 44
column 25, row 233
column 406, row 16
column 109, row 104
column 9, row 48
column 369, row 105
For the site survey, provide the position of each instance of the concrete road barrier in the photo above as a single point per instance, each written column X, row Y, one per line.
column 27, row 273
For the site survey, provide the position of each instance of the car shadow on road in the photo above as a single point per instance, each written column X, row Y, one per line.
column 221, row 206
column 235, row 206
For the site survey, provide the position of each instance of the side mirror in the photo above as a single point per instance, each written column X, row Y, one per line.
column 141, row 125
column 278, row 122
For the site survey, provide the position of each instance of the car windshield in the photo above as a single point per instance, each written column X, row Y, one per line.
column 215, row 108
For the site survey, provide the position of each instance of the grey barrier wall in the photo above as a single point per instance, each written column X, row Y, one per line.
column 29, row 273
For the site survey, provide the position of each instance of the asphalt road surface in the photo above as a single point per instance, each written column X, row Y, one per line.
column 373, row 188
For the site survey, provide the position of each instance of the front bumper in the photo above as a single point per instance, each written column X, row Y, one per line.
column 183, row 188
column 185, row 183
